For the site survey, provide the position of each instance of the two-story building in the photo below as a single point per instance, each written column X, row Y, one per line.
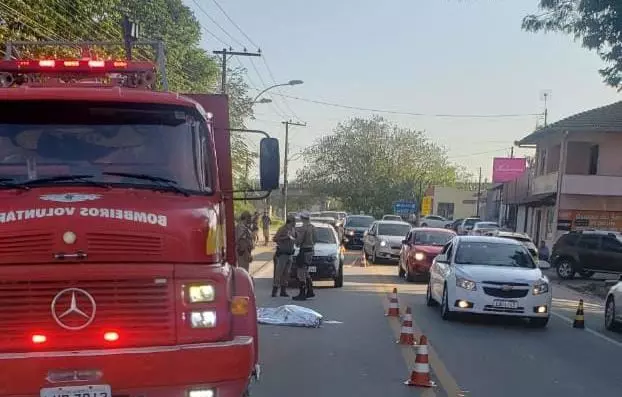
column 577, row 176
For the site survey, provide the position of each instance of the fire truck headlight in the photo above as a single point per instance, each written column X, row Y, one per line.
column 201, row 293
column 205, row 319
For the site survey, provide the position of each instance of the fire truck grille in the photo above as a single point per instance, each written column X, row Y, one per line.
column 123, row 244
column 141, row 311
column 26, row 244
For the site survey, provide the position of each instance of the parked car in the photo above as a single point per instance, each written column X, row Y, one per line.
column 433, row 221
column 587, row 252
column 327, row 263
column 355, row 228
column 467, row 224
column 383, row 240
column 489, row 275
column 455, row 224
column 522, row 238
column 396, row 218
column 613, row 314
column 484, row 228
column 419, row 248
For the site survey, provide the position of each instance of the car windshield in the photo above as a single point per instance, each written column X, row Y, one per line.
column 392, row 218
column 49, row 142
column 359, row 221
column 471, row 222
column 493, row 254
column 325, row 235
column 428, row 237
column 330, row 214
column 486, row 225
column 393, row 229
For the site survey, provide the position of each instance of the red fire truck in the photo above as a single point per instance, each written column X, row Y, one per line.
column 117, row 236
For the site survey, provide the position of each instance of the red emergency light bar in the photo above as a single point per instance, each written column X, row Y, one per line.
column 85, row 66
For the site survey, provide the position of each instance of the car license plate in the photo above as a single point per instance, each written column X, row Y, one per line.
column 506, row 304
column 312, row 269
column 77, row 391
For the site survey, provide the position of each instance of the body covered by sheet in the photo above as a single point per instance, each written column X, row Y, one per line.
column 291, row 315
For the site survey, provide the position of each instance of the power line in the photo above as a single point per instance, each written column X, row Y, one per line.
column 236, row 41
column 235, row 24
column 449, row 115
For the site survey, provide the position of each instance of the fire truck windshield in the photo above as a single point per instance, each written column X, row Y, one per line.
column 113, row 143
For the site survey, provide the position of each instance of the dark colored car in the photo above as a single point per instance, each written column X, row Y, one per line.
column 355, row 227
column 419, row 249
column 587, row 252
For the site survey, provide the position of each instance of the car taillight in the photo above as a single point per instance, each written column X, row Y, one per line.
column 111, row 336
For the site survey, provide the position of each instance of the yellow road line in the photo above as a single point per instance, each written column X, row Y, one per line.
column 447, row 382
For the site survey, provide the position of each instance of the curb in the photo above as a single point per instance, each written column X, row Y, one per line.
column 260, row 267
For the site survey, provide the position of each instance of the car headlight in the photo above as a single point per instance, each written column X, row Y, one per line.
column 201, row 293
column 383, row 243
column 350, row 232
column 203, row 319
column 419, row 256
column 465, row 283
column 540, row 287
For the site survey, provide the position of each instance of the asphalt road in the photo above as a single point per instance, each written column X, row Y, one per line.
column 356, row 354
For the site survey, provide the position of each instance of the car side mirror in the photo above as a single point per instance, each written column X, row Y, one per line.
column 441, row 258
column 544, row 264
column 405, row 242
column 269, row 163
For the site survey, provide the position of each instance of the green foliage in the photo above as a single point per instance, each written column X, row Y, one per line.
column 240, row 206
column 190, row 69
column 596, row 23
column 367, row 164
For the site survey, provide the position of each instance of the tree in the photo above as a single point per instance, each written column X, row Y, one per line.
column 596, row 23
column 369, row 163
column 190, row 69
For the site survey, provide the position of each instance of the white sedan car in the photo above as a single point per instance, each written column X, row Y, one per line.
column 613, row 313
column 489, row 275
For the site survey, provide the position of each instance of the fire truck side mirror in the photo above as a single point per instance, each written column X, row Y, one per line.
column 269, row 163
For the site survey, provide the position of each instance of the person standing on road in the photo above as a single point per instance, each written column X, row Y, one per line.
column 305, row 239
column 244, row 242
column 285, row 239
column 265, row 225
column 543, row 251
column 255, row 227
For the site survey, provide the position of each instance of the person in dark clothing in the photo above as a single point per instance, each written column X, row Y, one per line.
column 265, row 226
column 305, row 239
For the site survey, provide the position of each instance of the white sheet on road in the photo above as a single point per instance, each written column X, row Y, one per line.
column 290, row 315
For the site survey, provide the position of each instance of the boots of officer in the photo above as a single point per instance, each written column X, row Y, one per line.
column 310, row 293
column 302, row 295
column 284, row 292
column 274, row 291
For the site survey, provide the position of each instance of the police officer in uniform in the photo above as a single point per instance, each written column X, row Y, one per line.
column 305, row 239
column 244, row 241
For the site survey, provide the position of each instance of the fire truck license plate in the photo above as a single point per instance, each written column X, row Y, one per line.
column 77, row 391
column 312, row 269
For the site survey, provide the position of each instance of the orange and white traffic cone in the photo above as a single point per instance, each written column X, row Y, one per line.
column 420, row 375
column 363, row 259
column 394, row 306
column 407, row 336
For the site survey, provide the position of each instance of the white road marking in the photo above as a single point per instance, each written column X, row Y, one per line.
column 590, row 330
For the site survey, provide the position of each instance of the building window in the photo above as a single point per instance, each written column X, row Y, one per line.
column 593, row 160
column 446, row 210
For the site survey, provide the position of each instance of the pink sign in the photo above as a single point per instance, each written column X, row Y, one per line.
column 506, row 169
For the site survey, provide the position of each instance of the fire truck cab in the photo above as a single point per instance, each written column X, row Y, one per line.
column 117, row 250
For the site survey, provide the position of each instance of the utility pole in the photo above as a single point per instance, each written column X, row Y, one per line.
column 546, row 108
column 286, row 161
column 479, row 191
column 512, row 152
column 130, row 34
column 224, row 52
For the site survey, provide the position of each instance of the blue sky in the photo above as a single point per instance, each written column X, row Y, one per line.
column 420, row 56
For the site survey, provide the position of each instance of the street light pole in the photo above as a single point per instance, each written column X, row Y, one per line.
column 291, row 82
column 286, row 161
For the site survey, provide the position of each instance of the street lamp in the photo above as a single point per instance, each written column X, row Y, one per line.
column 264, row 100
column 291, row 82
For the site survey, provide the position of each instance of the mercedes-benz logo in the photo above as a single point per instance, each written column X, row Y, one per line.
column 506, row 288
column 73, row 309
